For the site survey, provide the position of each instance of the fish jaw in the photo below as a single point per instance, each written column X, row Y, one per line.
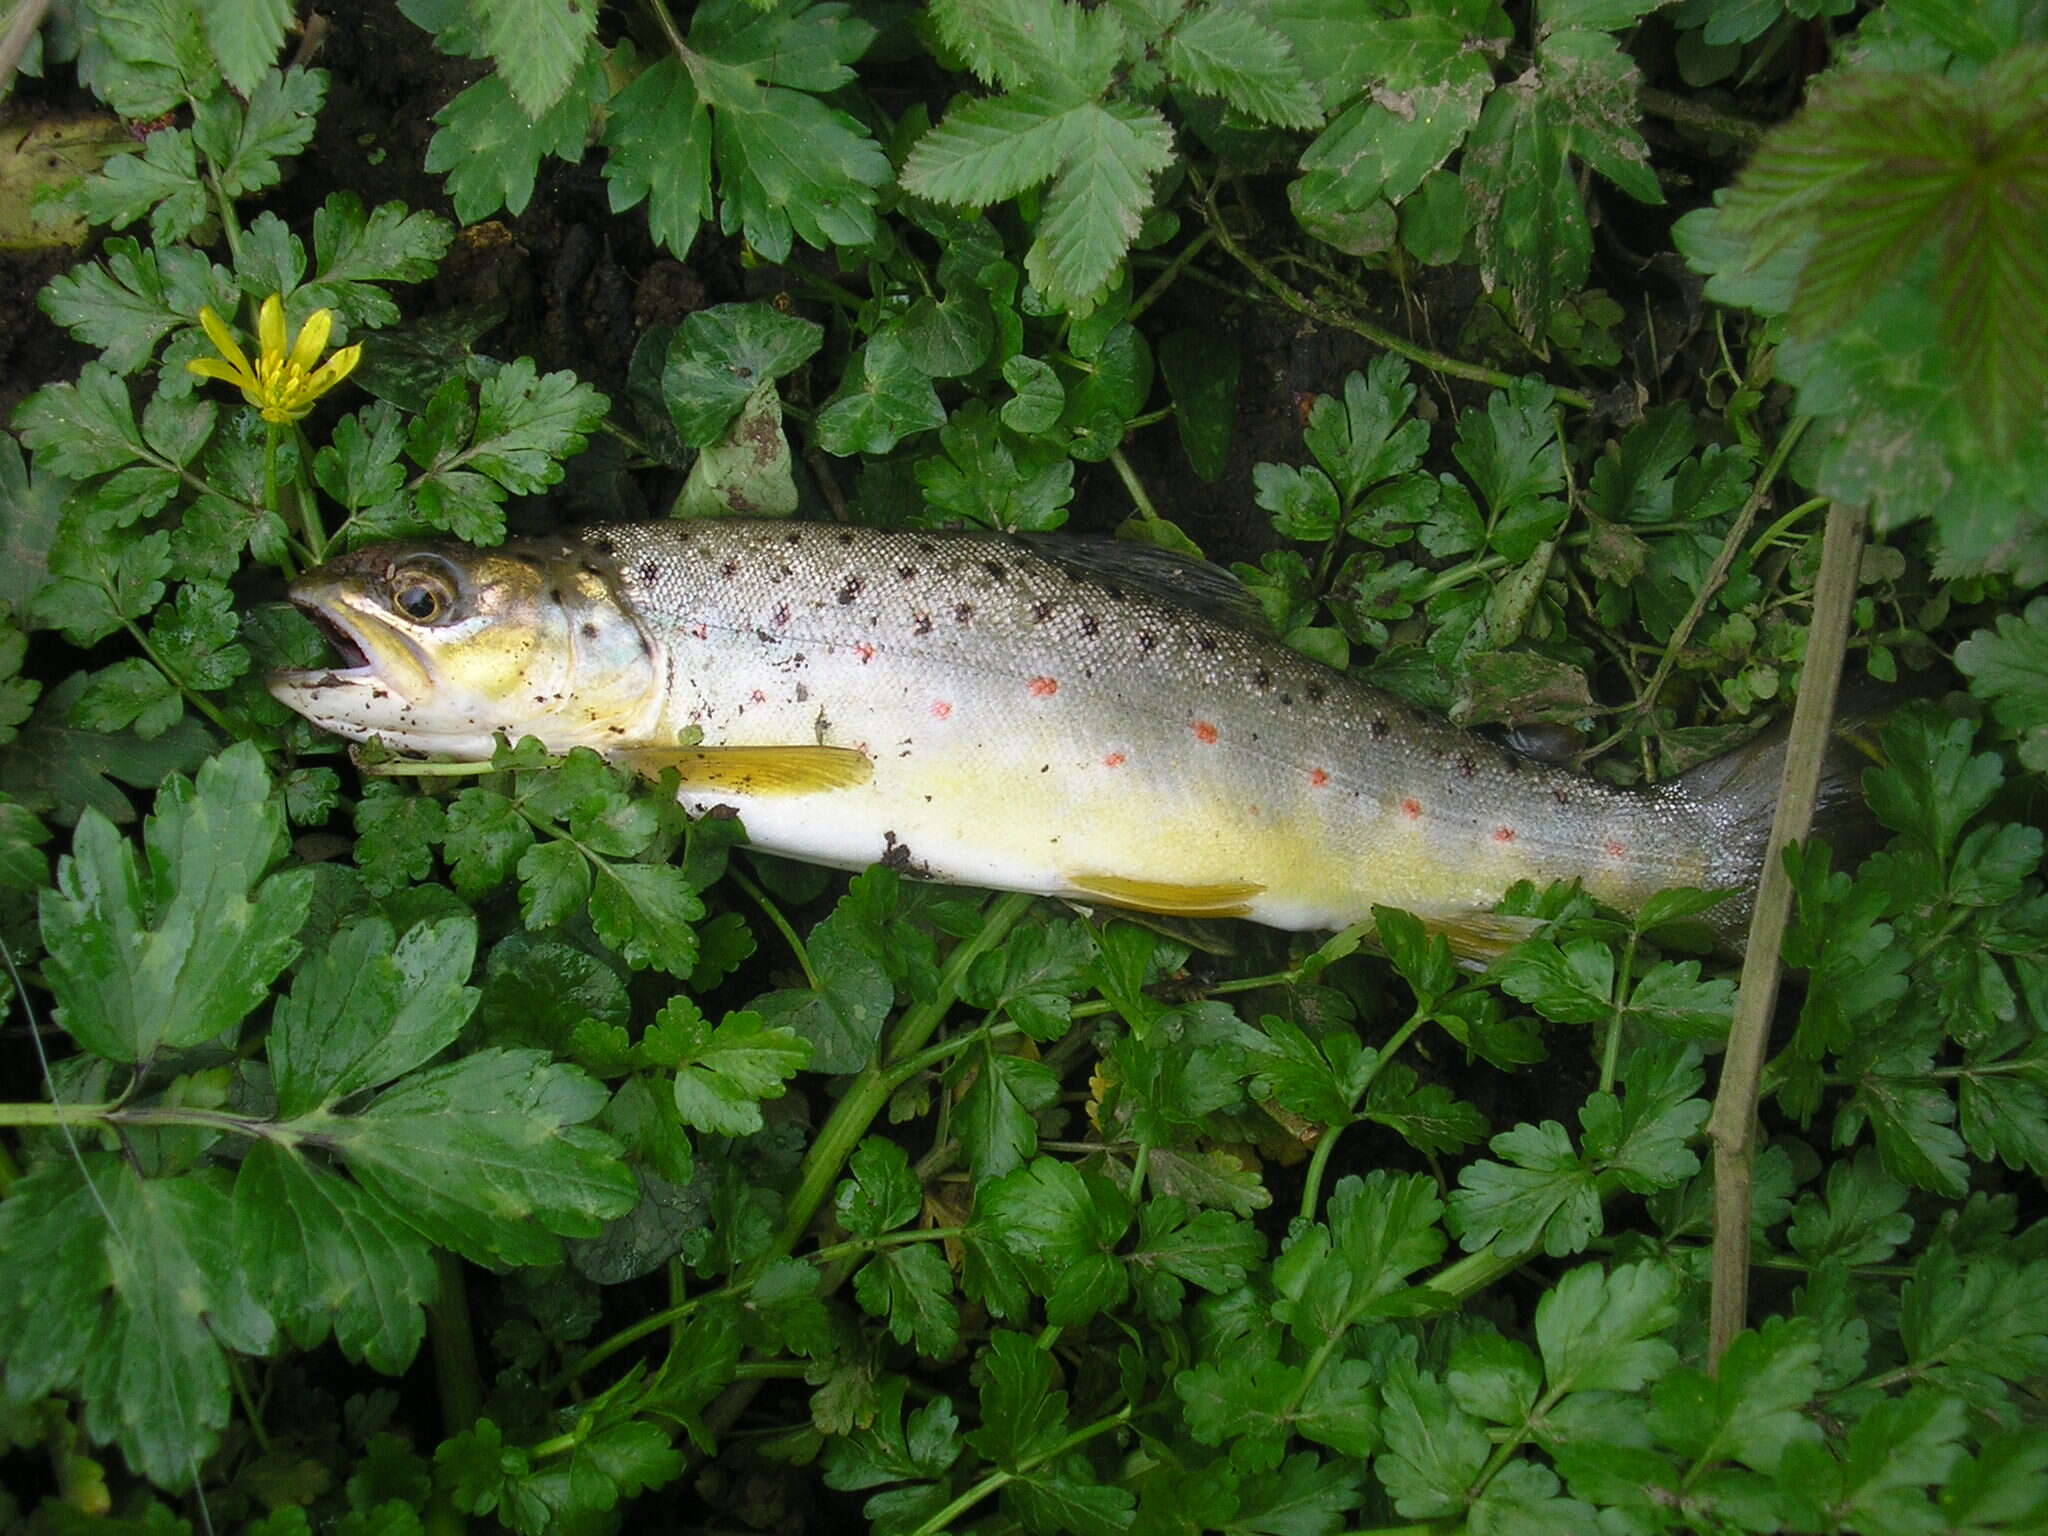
column 384, row 682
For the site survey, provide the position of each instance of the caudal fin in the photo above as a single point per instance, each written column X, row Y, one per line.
column 1738, row 794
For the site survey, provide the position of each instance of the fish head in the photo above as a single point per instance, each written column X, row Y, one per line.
column 443, row 647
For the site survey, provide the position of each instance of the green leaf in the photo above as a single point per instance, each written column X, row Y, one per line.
column 1176, row 1248
column 725, row 1073
column 537, row 45
column 491, row 150
column 371, row 1008
column 83, row 429
column 1967, row 1324
column 719, row 357
column 22, row 864
column 644, row 911
column 245, row 144
column 1096, row 202
column 842, row 1017
column 2007, row 666
column 162, row 183
column 1644, row 1136
column 1434, row 1448
column 245, row 35
column 1597, row 1329
column 912, row 1289
column 129, row 695
column 1061, row 1225
column 990, row 149
column 1022, row 1412
column 488, row 1155
column 1031, row 42
column 1380, row 1230
column 1543, row 1192
column 323, row 1257
column 356, row 251
column 1882, row 167
column 996, row 1117
column 658, row 135
column 886, row 400
column 175, row 950
column 1201, row 373
column 527, row 422
column 52, row 766
column 1221, row 51
column 880, row 1192
column 31, row 512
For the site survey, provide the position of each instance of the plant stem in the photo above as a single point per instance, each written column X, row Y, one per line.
column 851, row 1117
column 740, row 878
column 1379, row 335
column 995, row 1480
column 196, row 699
column 457, row 1379
column 1732, row 1127
column 1168, row 273
column 1134, row 486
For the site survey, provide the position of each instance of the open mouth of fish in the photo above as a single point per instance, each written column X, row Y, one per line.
column 354, row 660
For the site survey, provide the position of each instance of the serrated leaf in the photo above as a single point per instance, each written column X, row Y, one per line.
column 536, row 44
column 719, row 358
column 1096, row 202
column 1221, row 51
column 996, row 1121
column 659, row 140
column 245, row 143
column 725, row 1073
column 2007, row 666
column 1543, row 1193
column 912, row 1290
column 491, row 150
column 245, row 35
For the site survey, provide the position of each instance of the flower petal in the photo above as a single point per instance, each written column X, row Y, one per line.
column 224, row 343
column 312, row 339
column 270, row 328
column 335, row 369
column 214, row 368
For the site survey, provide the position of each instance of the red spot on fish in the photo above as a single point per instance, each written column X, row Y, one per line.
column 1114, row 760
column 699, row 632
column 1317, row 777
column 1615, row 850
column 1411, row 808
column 864, row 651
column 941, row 709
column 1043, row 687
column 1503, row 834
column 1205, row 733
column 758, row 696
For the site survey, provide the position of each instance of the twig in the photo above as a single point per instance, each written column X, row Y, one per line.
column 1732, row 1128
column 1436, row 362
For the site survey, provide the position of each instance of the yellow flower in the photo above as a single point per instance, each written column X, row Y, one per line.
column 284, row 383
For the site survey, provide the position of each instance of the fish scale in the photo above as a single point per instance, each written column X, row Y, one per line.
column 1038, row 725
column 1025, row 714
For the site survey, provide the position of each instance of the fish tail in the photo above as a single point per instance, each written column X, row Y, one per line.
column 1738, row 793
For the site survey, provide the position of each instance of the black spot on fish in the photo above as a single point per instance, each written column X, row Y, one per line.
column 1112, row 591
column 604, row 546
column 555, row 596
column 1262, row 679
column 963, row 613
column 1147, row 641
column 1510, row 763
column 921, row 625
column 1040, row 612
column 729, row 569
column 1466, row 766
column 1317, row 693
column 1379, row 728
column 925, row 546
column 846, row 538
column 1090, row 625
column 649, row 570
column 803, row 693
column 766, row 638
column 792, row 538
column 1562, row 797
column 589, row 630
column 907, row 572
column 1287, row 698
column 996, row 570
column 851, row 590
column 1207, row 644
column 781, row 615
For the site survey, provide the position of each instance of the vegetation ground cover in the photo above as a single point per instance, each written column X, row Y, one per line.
column 399, row 1151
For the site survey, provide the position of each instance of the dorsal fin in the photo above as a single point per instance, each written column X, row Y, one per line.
column 1174, row 578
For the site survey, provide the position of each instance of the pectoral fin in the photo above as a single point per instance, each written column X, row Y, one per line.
column 1229, row 898
column 1478, row 939
column 753, row 770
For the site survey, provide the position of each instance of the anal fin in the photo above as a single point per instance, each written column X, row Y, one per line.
column 791, row 770
column 1227, row 898
column 1478, row 939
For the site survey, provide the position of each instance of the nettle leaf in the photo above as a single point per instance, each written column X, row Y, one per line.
column 136, row 1296
column 1222, row 51
column 1884, row 166
column 173, row 948
column 489, row 1155
column 536, row 45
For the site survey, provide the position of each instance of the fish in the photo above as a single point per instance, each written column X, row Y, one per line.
column 1071, row 717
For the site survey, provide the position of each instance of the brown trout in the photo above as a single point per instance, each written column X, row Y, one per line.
column 1065, row 717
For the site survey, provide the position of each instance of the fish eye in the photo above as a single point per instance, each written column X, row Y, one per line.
column 422, row 592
